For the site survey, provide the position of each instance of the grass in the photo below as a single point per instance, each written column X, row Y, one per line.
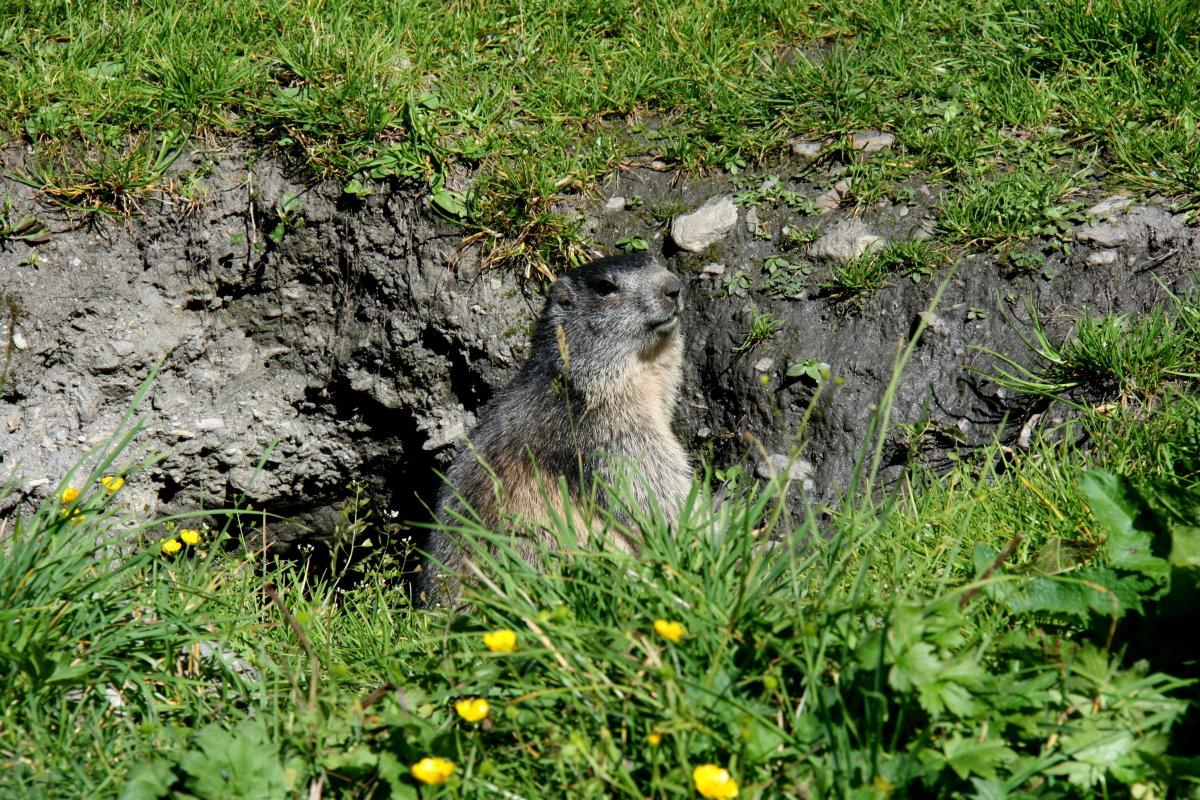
column 1111, row 358
column 1004, row 628
column 986, row 631
column 996, row 99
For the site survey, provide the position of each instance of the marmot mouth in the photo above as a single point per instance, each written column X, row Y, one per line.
column 666, row 324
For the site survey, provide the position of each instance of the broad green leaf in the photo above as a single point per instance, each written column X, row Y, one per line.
column 150, row 780
column 914, row 666
column 1129, row 526
column 450, row 202
column 1185, row 546
column 397, row 776
column 989, row 789
column 242, row 764
column 969, row 756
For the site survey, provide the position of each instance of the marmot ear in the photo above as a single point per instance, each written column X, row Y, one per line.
column 562, row 293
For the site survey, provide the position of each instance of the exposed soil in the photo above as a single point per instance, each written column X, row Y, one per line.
column 362, row 343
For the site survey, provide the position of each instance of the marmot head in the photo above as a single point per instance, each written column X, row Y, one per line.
column 614, row 309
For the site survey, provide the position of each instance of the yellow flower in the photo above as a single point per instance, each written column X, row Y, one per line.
column 433, row 771
column 672, row 631
column 712, row 781
column 170, row 546
column 112, row 484
column 501, row 641
column 68, row 495
column 883, row 786
column 472, row 710
column 654, row 739
column 190, row 536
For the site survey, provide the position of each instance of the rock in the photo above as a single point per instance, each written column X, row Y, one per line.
column 846, row 241
column 842, row 187
column 872, row 141
column 776, row 463
column 713, row 269
column 809, row 150
column 696, row 231
column 752, row 220
column 934, row 323
column 1109, row 207
column 614, row 204
column 210, row 424
column 1103, row 234
column 828, row 201
column 764, row 364
column 1102, row 258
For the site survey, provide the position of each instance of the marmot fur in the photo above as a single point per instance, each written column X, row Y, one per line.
column 593, row 405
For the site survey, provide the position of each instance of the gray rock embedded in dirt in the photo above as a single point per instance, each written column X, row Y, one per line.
column 828, row 201
column 1102, row 258
column 808, row 150
column 1102, row 234
column 614, row 204
column 752, row 221
column 1150, row 229
column 1109, row 207
column 845, row 241
column 872, row 141
column 694, row 232
column 798, row 470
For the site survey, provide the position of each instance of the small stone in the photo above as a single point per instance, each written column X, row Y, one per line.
column 842, row 187
column 713, row 269
column 846, row 241
column 446, row 436
column 1103, row 234
column 872, row 141
column 614, row 204
column 105, row 361
column 122, row 348
column 1102, row 258
column 18, row 341
column 752, row 220
column 210, row 424
column 901, row 211
column 808, row 150
column 764, row 364
column 829, row 201
column 696, row 231
column 934, row 323
column 768, row 184
column 1109, row 207
column 777, row 463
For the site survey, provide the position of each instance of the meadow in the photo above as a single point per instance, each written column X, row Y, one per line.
column 1014, row 626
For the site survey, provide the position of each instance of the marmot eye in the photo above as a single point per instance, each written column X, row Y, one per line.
column 604, row 286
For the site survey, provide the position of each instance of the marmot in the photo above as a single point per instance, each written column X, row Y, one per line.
column 593, row 405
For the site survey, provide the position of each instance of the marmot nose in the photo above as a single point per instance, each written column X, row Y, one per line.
column 671, row 287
